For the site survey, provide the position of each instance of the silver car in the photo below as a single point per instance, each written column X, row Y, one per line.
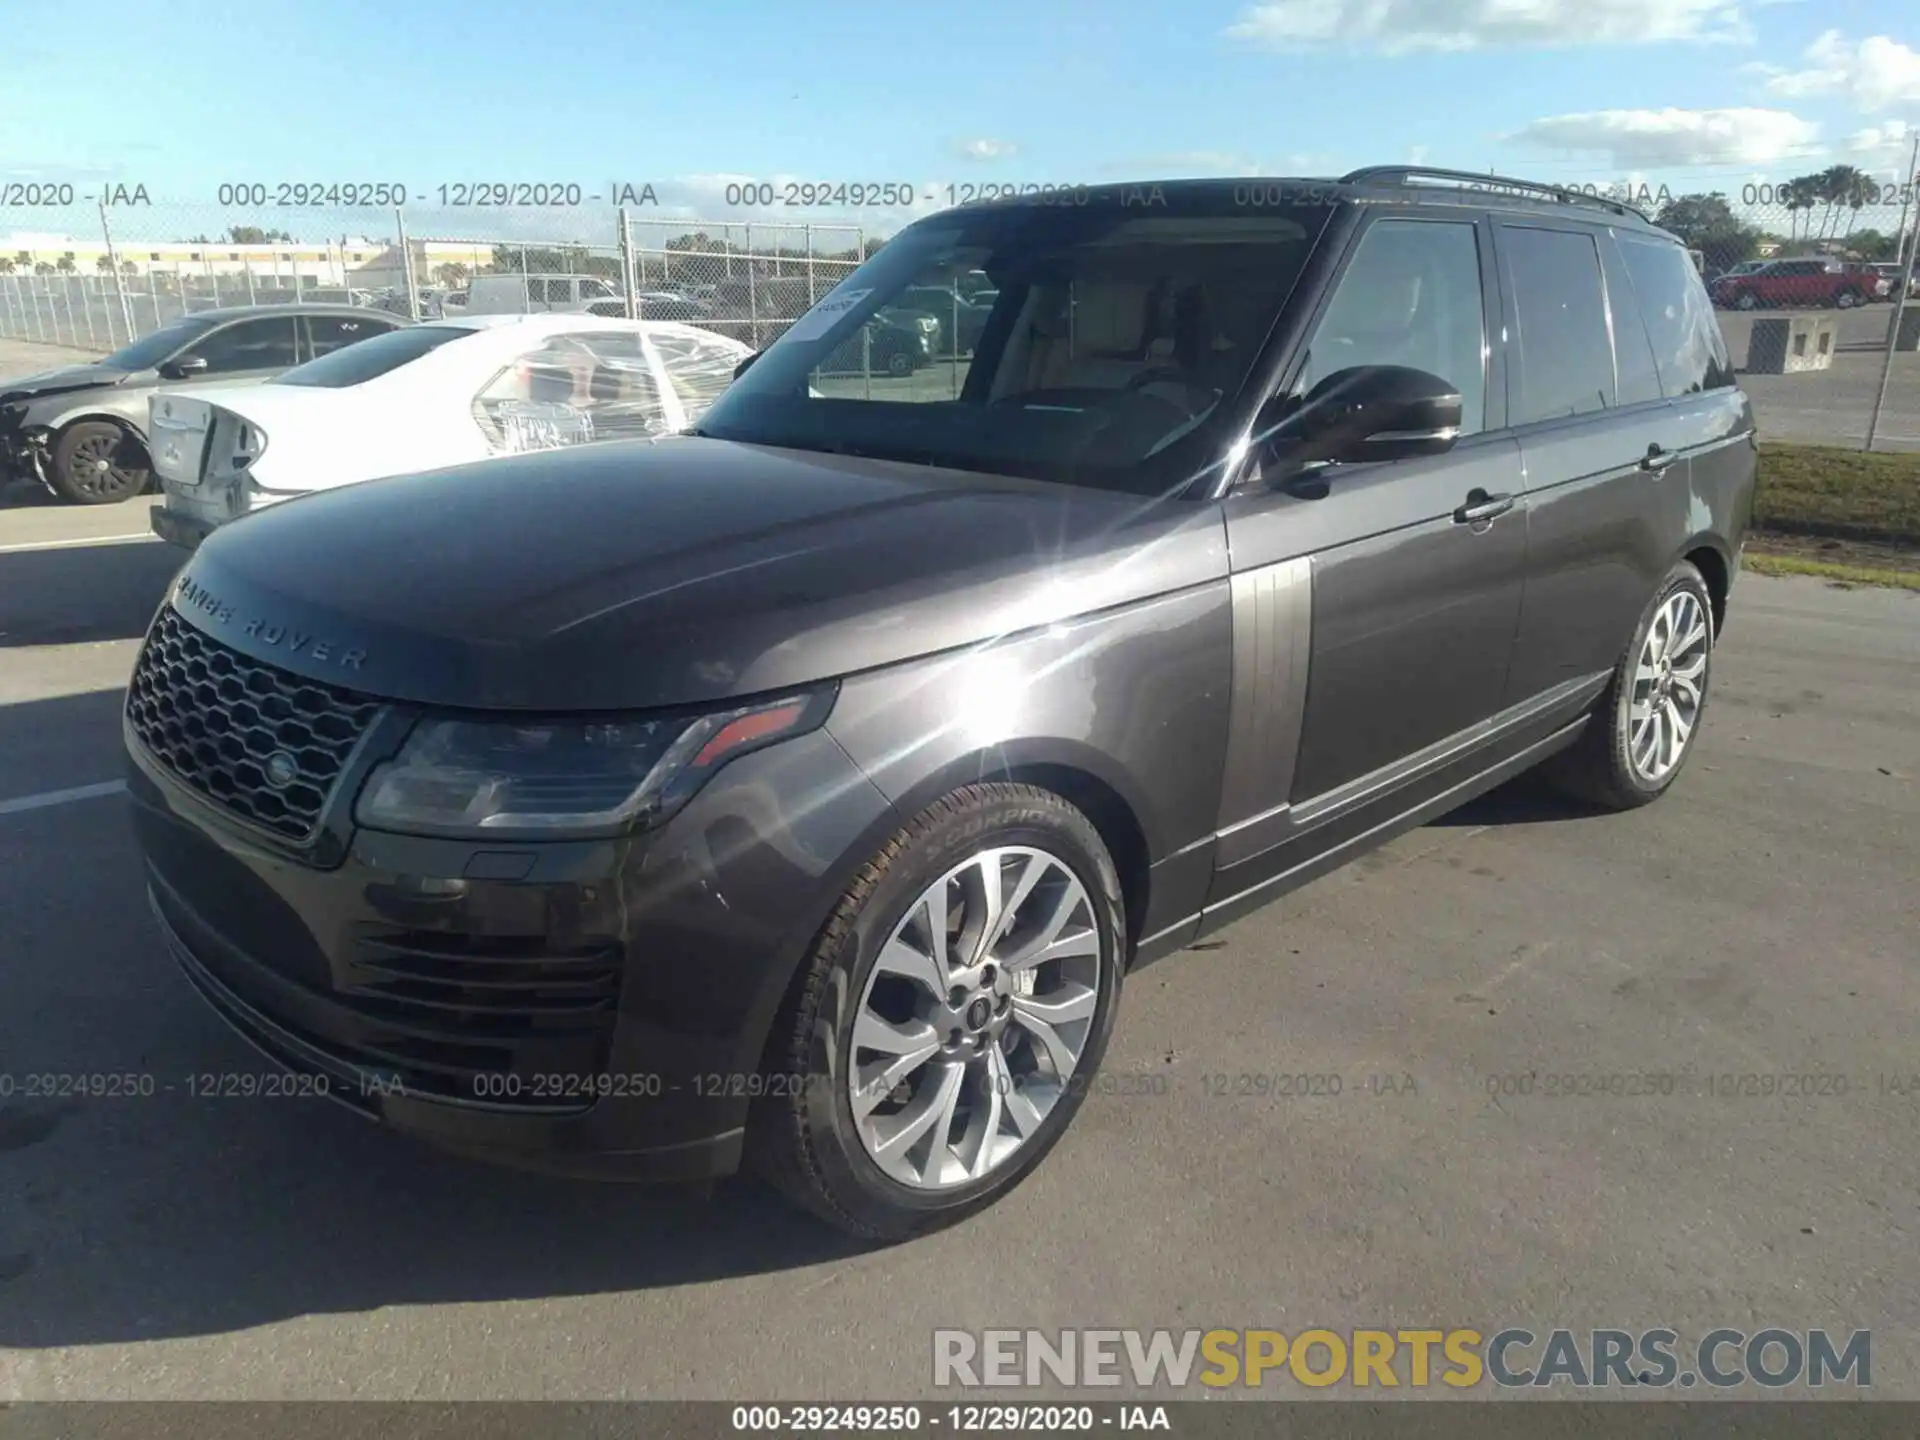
column 81, row 430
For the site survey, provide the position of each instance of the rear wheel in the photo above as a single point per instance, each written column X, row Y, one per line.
column 940, row 1036
column 96, row 462
column 1747, row 301
column 1645, row 725
column 1847, row 299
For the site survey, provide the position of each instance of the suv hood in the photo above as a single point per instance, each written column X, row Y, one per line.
column 68, row 377
column 672, row 572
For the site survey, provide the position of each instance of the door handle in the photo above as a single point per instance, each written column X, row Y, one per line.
column 1657, row 460
column 1480, row 507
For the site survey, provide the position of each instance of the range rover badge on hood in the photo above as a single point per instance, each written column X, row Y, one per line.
column 190, row 594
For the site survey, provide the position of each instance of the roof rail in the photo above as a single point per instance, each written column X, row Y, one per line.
column 1409, row 174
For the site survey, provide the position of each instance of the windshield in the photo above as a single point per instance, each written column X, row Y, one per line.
column 149, row 350
column 1106, row 347
column 370, row 358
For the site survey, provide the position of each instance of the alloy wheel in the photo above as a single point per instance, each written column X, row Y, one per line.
column 974, row 1017
column 93, row 468
column 1669, row 686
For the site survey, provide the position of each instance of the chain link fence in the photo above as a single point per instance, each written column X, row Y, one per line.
column 1813, row 278
column 97, row 278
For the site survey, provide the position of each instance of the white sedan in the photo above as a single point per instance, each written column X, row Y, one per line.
column 426, row 397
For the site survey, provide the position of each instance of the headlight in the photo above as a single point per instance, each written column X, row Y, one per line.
column 573, row 777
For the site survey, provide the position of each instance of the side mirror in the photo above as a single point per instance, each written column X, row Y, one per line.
column 1368, row 413
column 741, row 368
column 184, row 367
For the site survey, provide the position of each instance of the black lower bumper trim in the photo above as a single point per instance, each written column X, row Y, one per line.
column 458, row 1129
column 178, row 529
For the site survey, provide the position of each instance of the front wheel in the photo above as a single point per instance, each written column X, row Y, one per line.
column 1747, row 301
column 1645, row 725
column 1847, row 299
column 945, row 1025
column 95, row 462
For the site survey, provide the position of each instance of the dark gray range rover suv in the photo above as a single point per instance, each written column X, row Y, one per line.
column 801, row 791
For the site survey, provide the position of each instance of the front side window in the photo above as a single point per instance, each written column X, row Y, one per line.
column 248, row 345
column 1410, row 296
column 1687, row 346
column 1560, row 304
column 1117, row 342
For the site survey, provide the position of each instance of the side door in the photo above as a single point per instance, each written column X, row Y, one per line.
column 253, row 349
column 1374, row 612
column 1712, row 420
column 1602, row 447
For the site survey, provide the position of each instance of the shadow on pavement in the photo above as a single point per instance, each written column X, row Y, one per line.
column 79, row 594
column 24, row 495
column 1527, row 799
column 142, row 1216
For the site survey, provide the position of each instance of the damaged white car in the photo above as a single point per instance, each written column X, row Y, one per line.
column 426, row 397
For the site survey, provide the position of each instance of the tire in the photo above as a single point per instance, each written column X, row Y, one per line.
column 805, row 1138
column 96, row 462
column 900, row 364
column 1601, row 766
column 1847, row 299
column 1747, row 301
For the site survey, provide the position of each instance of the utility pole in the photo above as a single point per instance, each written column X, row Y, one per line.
column 1900, row 301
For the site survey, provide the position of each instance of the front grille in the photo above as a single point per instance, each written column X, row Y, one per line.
column 214, row 719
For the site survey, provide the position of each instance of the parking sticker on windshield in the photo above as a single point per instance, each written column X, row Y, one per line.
column 824, row 316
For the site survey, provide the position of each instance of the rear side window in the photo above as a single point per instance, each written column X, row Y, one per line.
column 327, row 333
column 1566, row 353
column 1687, row 345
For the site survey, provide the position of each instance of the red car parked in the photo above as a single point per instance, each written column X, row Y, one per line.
column 1801, row 284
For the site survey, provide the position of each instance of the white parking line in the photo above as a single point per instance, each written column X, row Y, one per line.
column 80, row 540
column 61, row 797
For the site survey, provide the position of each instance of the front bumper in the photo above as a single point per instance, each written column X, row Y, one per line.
column 437, row 985
column 23, row 454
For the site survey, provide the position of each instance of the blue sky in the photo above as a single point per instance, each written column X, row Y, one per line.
column 1691, row 94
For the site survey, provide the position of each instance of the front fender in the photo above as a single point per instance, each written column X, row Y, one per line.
column 55, row 413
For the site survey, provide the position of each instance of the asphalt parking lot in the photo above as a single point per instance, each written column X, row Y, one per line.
column 1760, row 921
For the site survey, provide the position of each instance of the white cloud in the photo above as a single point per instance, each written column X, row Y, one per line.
column 986, row 148
column 1882, row 149
column 1658, row 139
column 1876, row 74
column 1398, row 27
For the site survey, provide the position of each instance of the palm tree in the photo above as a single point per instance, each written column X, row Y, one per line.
column 104, row 264
column 43, row 267
column 65, row 265
column 6, row 266
column 1797, row 195
column 1853, row 189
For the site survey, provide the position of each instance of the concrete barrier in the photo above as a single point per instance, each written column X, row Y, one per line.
column 1791, row 345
